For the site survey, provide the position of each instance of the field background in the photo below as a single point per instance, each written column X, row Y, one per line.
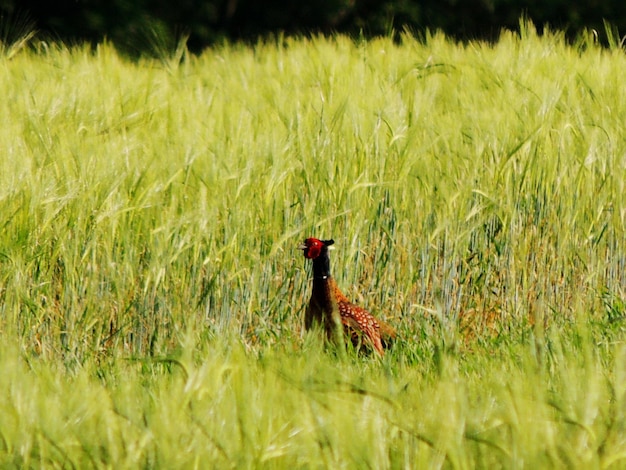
column 152, row 293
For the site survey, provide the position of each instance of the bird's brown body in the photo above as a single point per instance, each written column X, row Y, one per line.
column 332, row 310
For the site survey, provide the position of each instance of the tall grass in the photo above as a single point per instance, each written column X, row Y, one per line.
column 305, row 409
column 151, row 293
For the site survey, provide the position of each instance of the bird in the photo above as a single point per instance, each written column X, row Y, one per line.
column 333, row 311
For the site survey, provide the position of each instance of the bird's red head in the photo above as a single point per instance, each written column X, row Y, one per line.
column 313, row 247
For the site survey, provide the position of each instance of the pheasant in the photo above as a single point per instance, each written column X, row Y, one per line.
column 332, row 310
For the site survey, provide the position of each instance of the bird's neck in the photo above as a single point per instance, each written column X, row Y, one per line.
column 321, row 266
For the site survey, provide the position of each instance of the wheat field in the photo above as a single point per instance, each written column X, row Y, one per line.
column 152, row 294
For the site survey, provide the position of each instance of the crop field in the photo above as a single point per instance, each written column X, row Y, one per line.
column 152, row 292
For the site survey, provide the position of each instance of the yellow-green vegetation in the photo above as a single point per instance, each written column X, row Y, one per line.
column 152, row 294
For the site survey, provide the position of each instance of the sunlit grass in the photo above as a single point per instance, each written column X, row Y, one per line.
column 151, row 292
column 306, row 408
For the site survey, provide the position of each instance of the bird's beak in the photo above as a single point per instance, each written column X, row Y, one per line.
column 330, row 247
column 302, row 246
